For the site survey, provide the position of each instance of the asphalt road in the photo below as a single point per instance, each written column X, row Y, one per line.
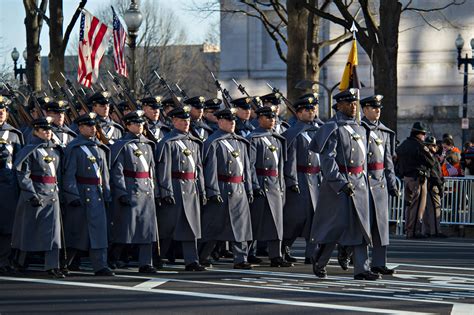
column 434, row 276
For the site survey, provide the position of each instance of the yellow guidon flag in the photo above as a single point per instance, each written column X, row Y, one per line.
column 349, row 77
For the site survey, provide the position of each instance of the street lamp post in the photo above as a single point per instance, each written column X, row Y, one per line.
column 18, row 70
column 466, row 61
column 133, row 18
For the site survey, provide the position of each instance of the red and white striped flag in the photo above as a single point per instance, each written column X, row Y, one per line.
column 93, row 41
column 120, row 37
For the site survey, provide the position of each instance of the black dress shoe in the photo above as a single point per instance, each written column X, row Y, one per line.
column 104, row 272
column 206, row 263
column 56, row 273
column 290, row 258
column 279, row 262
column 383, row 270
column 158, row 263
column 243, row 265
column 65, row 271
column 194, row 267
column 147, row 269
column 343, row 262
column 307, row 261
column 367, row 275
column 319, row 271
column 254, row 260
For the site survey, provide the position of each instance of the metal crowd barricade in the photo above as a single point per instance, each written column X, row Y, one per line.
column 457, row 205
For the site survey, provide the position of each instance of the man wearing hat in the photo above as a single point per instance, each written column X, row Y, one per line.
column 133, row 192
column 302, row 178
column 210, row 106
column 342, row 212
column 382, row 179
column 415, row 162
column 432, row 216
column 100, row 105
column 226, row 217
column 181, row 185
column 243, row 127
column 11, row 141
column 317, row 121
column 152, row 108
column 168, row 105
column 62, row 135
column 35, row 113
column 267, row 158
column 86, row 191
column 198, row 128
column 37, row 224
column 273, row 100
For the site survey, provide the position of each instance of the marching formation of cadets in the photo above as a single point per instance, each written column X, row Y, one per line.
column 211, row 177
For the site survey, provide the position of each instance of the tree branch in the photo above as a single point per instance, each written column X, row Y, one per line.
column 372, row 27
column 334, row 50
column 42, row 14
column 266, row 21
column 454, row 2
column 71, row 24
column 277, row 7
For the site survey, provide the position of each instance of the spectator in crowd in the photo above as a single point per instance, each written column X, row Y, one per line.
column 451, row 166
column 469, row 161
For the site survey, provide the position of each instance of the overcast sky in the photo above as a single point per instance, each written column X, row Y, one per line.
column 12, row 28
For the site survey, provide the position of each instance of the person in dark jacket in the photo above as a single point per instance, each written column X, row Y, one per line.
column 152, row 107
column 415, row 161
column 432, row 216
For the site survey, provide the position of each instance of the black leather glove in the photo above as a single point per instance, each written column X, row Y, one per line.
column 394, row 192
column 259, row 192
column 250, row 199
column 36, row 202
column 348, row 189
column 216, row 199
column 125, row 201
column 169, row 200
column 295, row 188
column 158, row 201
column 75, row 203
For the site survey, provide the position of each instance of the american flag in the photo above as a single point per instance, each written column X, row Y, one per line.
column 93, row 41
column 120, row 36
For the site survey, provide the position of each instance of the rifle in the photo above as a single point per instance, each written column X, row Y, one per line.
column 145, row 87
column 182, row 92
column 100, row 132
column 134, row 106
column 57, row 95
column 225, row 94
column 255, row 100
column 115, row 107
column 72, row 107
column 287, row 102
column 20, row 108
column 175, row 98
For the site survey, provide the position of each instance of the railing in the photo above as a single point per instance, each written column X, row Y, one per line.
column 457, row 205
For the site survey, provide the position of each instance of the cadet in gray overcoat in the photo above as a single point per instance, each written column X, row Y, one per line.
column 181, row 187
column 342, row 213
column 37, row 225
column 11, row 141
column 267, row 158
column 86, row 192
column 302, row 178
column 382, row 179
column 226, row 217
column 152, row 107
column 62, row 135
column 133, row 192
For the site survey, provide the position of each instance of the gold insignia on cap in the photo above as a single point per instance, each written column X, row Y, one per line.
column 248, row 100
column 62, row 103
column 49, row 119
column 1, row 98
column 179, row 98
column 310, row 100
column 353, row 91
column 92, row 115
column 47, row 99
column 274, row 108
column 105, row 94
column 158, row 99
column 216, row 101
column 277, row 95
column 186, row 109
column 201, row 99
column 378, row 97
column 233, row 110
column 315, row 95
column 140, row 113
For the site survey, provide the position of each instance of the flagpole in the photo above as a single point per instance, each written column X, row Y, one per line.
column 354, row 30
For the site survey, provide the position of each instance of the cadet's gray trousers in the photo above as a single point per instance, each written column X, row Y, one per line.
column 360, row 256
column 51, row 259
column 5, row 249
column 190, row 251
column 98, row 257
column 239, row 249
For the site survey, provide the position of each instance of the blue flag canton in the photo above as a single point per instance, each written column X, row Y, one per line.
column 116, row 23
column 81, row 30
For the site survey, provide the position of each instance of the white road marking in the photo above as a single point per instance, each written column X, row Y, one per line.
column 462, row 309
column 150, row 284
column 212, row 296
